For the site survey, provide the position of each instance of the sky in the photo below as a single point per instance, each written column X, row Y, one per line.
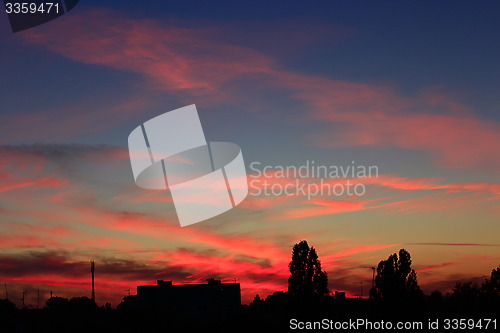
column 408, row 87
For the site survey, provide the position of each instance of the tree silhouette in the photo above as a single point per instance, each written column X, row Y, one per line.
column 129, row 303
column 6, row 306
column 57, row 303
column 465, row 297
column 396, row 281
column 306, row 276
column 466, row 291
column 82, row 304
column 491, row 286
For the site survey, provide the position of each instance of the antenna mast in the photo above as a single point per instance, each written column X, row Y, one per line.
column 373, row 277
column 92, row 271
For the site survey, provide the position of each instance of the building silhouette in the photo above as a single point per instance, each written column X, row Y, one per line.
column 194, row 300
column 340, row 295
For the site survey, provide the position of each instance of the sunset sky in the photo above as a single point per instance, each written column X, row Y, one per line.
column 409, row 87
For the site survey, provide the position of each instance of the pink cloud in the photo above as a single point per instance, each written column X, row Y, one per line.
column 193, row 62
column 168, row 56
column 322, row 207
column 71, row 120
column 433, row 194
column 434, row 267
column 373, row 115
column 258, row 260
column 23, row 241
column 356, row 250
column 40, row 182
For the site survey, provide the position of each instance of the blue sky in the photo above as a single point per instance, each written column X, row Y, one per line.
column 411, row 87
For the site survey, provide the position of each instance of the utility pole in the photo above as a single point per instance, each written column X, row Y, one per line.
column 6, row 292
column 361, row 286
column 51, row 294
column 38, row 298
column 92, row 271
column 22, row 299
column 373, row 275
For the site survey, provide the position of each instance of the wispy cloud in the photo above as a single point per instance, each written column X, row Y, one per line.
column 454, row 244
column 434, row 267
column 192, row 62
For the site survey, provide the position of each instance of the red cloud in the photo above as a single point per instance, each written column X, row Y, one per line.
column 282, row 205
column 371, row 115
column 259, row 261
column 167, row 56
column 194, row 62
column 322, row 207
column 356, row 250
column 40, row 182
column 17, row 241
column 21, row 171
column 71, row 120
column 434, row 267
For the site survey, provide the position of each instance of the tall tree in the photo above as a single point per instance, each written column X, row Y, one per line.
column 491, row 286
column 396, row 280
column 306, row 275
